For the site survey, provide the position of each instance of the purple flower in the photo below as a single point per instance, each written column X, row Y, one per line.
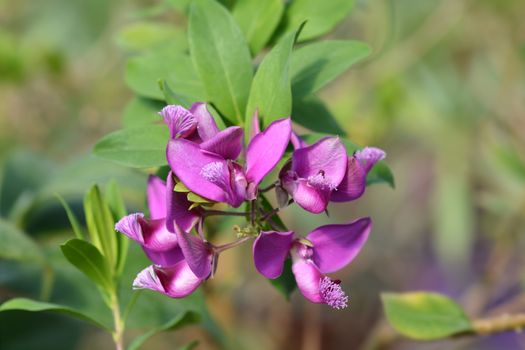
column 314, row 172
column 198, row 253
column 158, row 243
column 326, row 249
column 176, row 281
column 323, row 172
column 170, row 273
column 354, row 182
column 209, row 169
column 195, row 124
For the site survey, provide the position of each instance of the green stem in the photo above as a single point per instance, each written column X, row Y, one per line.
column 503, row 323
column 118, row 332
column 224, row 213
column 227, row 246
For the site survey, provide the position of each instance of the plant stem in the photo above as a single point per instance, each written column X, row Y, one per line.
column 224, row 213
column 253, row 204
column 118, row 333
column 503, row 323
column 266, row 189
column 269, row 214
column 227, row 246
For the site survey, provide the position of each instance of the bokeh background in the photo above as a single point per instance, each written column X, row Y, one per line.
column 443, row 94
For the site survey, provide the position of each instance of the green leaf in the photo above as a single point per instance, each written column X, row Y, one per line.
column 172, row 97
column 424, row 316
column 315, row 65
column 113, row 197
column 141, row 111
column 144, row 71
column 17, row 245
column 380, row 173
column 181, row 5
column 139, row 147
column 191, row 345
column 20, row 178
column 321, row 16
column 286, row 282
column 195, row 198
column 313, row 114
column 258, row 20
column 267, row 206
column 100, row 225
column 221, row 56
column 147, row 35
column 23, row 304
column 117, row 206
column 179, row 321
column 77, row 229
column 88, row 259
column 271, row 92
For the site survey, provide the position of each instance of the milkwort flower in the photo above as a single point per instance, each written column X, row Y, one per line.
column 204, row 159
column 170, row 274
column 323, row 172
column 326, row 249
column 210, row 170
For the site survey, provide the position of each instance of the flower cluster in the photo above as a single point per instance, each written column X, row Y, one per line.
column 213, row 166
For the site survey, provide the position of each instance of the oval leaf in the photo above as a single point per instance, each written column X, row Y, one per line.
column 140, row 147
column 141, row 111
column 271, row 92
column 179, row 321
column 258, row 20
column 23, row 304
column 146, row 35
column 17, row 245
column 313, row 114
column 315, row 65
column 424, row 316
column 221, row 56
column 88, row 259
column 322, row 16
column 143, row 73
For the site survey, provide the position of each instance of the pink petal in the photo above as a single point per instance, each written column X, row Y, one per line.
column 151, row 234
column 206, row 127
column 308, row 197
column 180, row 121
column 160, row 245
column 369, row 156
column 196, row 252
column 308, row 279
column 202, row 172
column 335, row 246
column 156, row 194
column 238, row 185
column 178, row 208
column 266, row 149
column 176, row 281
column 323, row 163
column 270, row 250
column 297, row 142
column 227, row 143
column 166, row 258
column 353, row 184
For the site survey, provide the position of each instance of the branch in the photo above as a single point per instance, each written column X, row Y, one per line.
column 224, row 213
column 498, row 324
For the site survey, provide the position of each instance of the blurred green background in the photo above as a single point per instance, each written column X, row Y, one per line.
column 443, row 94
